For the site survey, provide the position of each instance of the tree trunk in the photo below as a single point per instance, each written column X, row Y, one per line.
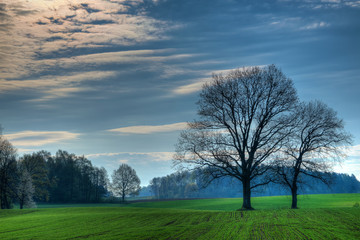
column 246, row 195
column 294, row 196
column 21, row 204
column 6, row 202
column 123, row 196
column 294, row 187
column 2, row 206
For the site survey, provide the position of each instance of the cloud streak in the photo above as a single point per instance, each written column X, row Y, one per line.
column 149, row 129
column 127, row 156
column 193, row 87
column 197, row 84
column 324, row 4
column 39, row 138
column 53, row 87
column 315, row 25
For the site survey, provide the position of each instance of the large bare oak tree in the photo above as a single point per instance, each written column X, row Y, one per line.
column 243, row 121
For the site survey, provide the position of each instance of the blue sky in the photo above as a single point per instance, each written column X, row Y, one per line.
column 116, row 80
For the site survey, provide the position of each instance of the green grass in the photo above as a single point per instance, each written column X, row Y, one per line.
column 320, row 217
column 277, row 202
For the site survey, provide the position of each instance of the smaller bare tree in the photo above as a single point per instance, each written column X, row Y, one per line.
column 125, row 181
column 25, row 190
column 312, row 149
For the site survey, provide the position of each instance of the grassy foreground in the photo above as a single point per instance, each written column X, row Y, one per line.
column 333, row 218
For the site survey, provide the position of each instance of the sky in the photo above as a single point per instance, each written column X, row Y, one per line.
column 117, row 80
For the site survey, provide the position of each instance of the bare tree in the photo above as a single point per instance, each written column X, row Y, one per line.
column 8, row 171
column 35, row 165
column 25, row 190
column 242, row 123
column 125, row 181
column 314, row 146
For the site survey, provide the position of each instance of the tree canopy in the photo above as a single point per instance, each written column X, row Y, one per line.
column 125, row 181
column 243, row 120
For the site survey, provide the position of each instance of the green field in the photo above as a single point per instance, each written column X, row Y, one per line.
column 319, row 217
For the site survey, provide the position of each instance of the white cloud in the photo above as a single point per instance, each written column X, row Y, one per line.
column 125, row 157
column 353, row 151
column 355, row 4
column 318, row 4
column 349, row 166
column 59, row 93
column 39, row 138
column 148, row 129
column 123, row 161
column 315, row 25
column 195, row 86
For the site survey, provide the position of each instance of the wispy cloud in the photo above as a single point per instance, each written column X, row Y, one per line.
column 295, row 24
column 326, row 4
column 154, row 156
column 353, row 151
column 119, row 57
column 351, row 165
column 52, row 87
column 197, row 84
column 148, row 129
column 355, row 4
column 52, row 81
column 39, row 138
column 59, row 93
column 315, row 25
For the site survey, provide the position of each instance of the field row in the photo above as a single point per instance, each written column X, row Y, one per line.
column 147, row 223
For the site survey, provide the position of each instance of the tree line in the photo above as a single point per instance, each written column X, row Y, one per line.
column 40, row 177
column 191, row 184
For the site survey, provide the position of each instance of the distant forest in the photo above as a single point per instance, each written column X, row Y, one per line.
column 41, row 177
column 190, row 184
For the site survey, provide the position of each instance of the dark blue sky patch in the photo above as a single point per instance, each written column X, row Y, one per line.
column 39, row 22
column 54, row 38
column 55, row 20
